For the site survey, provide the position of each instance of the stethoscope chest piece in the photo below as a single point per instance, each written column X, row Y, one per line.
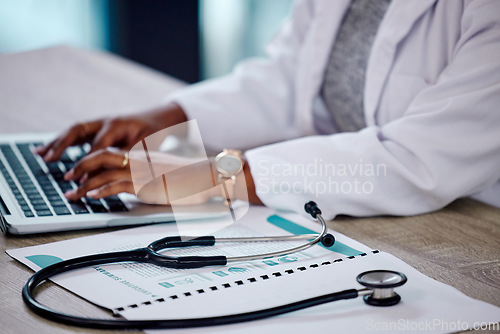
column 382, row 284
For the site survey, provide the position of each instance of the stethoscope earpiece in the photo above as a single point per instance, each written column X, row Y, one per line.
column 327, row 240
column 311, row 208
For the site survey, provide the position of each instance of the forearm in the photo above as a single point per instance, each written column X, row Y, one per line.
column 166, row 115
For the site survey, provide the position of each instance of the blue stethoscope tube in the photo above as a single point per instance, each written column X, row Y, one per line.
column 150, row 254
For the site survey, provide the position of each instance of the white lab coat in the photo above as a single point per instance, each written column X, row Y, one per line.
column 431, row 103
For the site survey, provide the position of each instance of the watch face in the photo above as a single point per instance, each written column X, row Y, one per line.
column 229, row 164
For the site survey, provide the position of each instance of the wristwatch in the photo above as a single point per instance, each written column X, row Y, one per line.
column 228, row 164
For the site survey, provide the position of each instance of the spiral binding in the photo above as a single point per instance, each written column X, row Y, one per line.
column 241, row 282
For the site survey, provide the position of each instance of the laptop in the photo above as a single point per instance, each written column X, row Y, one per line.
column 32, row 195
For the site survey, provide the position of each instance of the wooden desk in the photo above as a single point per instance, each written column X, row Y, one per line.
column 459, row 245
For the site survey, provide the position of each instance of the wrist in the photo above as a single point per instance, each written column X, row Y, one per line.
column 166, row 116
column 175, row 114
column 243, row 188
column 246, row 186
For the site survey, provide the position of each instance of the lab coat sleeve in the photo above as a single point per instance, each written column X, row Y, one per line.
column 447, row 144
column 253, row 105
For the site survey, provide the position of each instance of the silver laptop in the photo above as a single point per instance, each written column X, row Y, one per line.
column 32, row 195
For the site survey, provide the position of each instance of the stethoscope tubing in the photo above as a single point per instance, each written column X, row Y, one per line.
column 140, row 256
column 150, row 254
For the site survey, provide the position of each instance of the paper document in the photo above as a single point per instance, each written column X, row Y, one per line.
column 118, row 286
column 145, row 291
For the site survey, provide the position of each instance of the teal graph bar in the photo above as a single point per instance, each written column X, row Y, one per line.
column 297, row 229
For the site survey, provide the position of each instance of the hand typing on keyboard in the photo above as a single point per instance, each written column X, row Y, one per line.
column 104, row 173
column 101, row 173
column 121, row 132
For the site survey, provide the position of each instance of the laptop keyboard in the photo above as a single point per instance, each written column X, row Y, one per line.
column 40, row 187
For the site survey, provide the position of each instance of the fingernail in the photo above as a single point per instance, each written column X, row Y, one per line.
column 69, row 175
column 93, row 193
column 49, row 155
column 84, row 178
column 38, row 149
column 70, row 193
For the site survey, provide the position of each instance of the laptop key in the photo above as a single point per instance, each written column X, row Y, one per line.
column 28, row 213
column 91, row 200
column 23, row 146
column 54, row 198
column 36, row 169
column 117, row 207
column 34, row 196
column 19, row 197
column 24, row 180
column 79, row 207
column 32, row 193
column 44, row 213
column 58, row 176
column 38, row 201
column 59, row 202
column 115, row 204
column 98, row 208
column 62, row 210
column 43, row 179
column 96, row 205
column 65, row 186
column 48, row 187
column 29, row 188
column 51, row 192
column 40, row 207
column 69, row 165
column 53, row 167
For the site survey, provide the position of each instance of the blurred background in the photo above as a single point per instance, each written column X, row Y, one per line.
column 189, row 39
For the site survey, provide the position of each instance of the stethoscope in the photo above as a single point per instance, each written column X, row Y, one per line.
column 378, row 291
